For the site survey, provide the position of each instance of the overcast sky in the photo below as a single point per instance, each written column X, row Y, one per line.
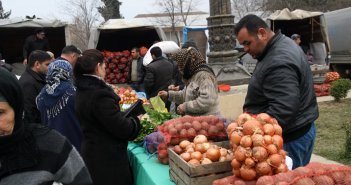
column 54, row 8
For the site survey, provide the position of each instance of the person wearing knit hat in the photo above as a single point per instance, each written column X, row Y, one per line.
column 200, row 95
column 56, row 102
column 189, row 43
column 30, row 153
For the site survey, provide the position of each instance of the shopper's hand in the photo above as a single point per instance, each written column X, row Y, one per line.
column 140, row 116
column 163, row 94
column 181, row 109
column 173, row 88
column 25, row 62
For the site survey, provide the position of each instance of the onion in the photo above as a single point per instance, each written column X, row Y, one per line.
column 265, row 180
column 162, row 154
column 191, row 132
column 194, row 162
column 275, row 160
column 278, row 130
column 178, row 126
column 175, row 140
column 213, row 154
column 223, row 151
column 251, row 127
column 196, row 125
column 231, row 128
column 235, row 138
column 323, row 179
column 187, row 125
column 278, row 141
column 229, row 156
column 257, row 140
column 272, row 149
column 200, row 148
column 281, row 168
column 267, row 139
column 196, row 155
column 184, row 144
column 236, row 173
column 206, row 145
column 249, row 162
column 282, row 153
column 243, row 118
column 246, row 141
column 240, row 153
column 206, row 161
column 235, row 164
column 204, row 125
column 185, row 156
column 264, row 118
column 220, row 126
column 177, row 149
column 183, row 133
column 222, row 159
column 247, row 173
column 263, row 168
column 304, row 181
column 239, row 182
column 199, row 139
column 259, row 153
column 213, row 130
column 268, row 129
column 172, row 131
column 203, row 132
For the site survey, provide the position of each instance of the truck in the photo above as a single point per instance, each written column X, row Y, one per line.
column 339, row 28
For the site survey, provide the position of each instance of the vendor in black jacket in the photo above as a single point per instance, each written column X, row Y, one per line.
column 281, row 86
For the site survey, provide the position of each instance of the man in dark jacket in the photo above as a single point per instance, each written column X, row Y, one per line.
column 70, row 53
column 32, row 81
column 136, row 71
column 37, row 41
column 281, row 86
column 159, row 73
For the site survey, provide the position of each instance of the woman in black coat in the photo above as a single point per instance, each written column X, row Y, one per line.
column 106, row 130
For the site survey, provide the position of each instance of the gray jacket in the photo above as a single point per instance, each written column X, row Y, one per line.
column 200, row 96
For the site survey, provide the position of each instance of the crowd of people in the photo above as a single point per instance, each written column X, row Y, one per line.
column 61, row 122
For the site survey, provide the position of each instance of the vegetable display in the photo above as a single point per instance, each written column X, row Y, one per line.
column 258, row 146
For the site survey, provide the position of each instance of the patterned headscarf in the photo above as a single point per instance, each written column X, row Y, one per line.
column 57, row 71
column 190, row 61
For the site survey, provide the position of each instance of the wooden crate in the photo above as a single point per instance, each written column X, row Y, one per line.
column 184, row 174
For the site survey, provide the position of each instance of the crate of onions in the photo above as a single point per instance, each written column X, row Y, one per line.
column 199, row 162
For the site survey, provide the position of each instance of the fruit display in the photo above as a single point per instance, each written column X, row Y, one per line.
column 258, row 146
column 187, row 127
column 117, row 66
column 201, row 151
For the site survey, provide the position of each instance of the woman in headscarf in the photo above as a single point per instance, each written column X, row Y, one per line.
column 32, row 154
column 56, row 102
column 106, row 130
column 200, row 96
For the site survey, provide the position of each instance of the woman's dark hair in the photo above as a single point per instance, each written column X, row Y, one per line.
column 87, row 62
column 252, row 23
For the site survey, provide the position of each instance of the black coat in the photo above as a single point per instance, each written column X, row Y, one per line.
column 106, row 132
column 159, row 75
column 32, row 43
column 31, row 84
column 282, row 86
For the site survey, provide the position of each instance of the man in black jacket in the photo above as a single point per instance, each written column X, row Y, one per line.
column 281, row 86
column 159, row 73
column 32, row 81
column 37, row 41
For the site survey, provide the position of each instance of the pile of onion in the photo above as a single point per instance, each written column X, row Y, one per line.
column 187, row 127
column 200, row 151
column 257, row 145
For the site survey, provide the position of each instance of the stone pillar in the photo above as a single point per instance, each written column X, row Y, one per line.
column 223, row 58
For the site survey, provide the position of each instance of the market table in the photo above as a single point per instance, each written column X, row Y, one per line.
column 147, row 170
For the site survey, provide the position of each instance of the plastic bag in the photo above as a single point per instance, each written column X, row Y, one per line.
column 158, row 104
column 167, row 47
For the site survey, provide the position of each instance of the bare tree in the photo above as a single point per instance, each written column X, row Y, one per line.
column 110, row 9
column 3, row 14
column 177, row 12
column 241, row 8
column 85, row 16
